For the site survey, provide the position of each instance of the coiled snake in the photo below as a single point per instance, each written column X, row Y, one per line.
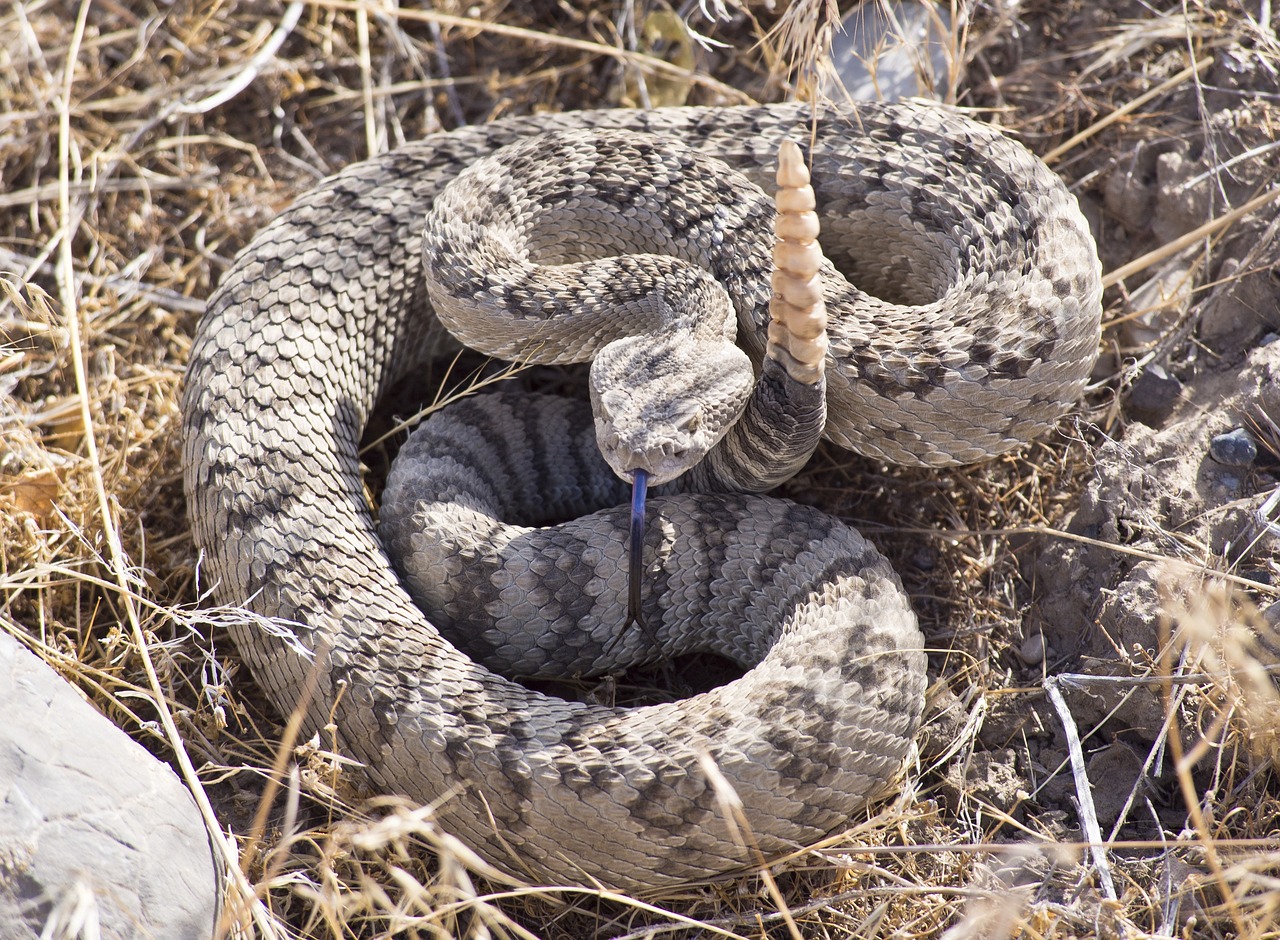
column 973, row 327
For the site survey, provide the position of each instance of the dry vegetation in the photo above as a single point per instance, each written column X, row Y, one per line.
column 142, row 144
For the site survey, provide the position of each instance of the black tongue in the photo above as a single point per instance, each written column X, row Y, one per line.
column 635, row 532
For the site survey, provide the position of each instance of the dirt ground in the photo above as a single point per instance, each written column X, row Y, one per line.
column 1102, row 746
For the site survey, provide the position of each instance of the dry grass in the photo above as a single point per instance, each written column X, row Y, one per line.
column 140, row 147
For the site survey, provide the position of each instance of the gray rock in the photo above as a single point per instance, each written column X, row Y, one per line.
column 1236, row 448
column 93, row 829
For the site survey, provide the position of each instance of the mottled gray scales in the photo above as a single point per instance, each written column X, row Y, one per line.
column 550, row 602
column 970, row 325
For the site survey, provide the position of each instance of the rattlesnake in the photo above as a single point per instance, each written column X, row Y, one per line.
column 327, row 308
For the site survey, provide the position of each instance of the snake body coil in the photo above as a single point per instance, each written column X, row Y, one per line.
column 972, row 328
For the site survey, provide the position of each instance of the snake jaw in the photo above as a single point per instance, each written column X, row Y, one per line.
column 660, row 462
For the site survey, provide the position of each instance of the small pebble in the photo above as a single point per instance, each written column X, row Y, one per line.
column 926, row 559
column 1032, row 651
column 1234, row 449
column 1272, row 614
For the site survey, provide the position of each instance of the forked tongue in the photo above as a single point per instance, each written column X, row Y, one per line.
column 635, row 532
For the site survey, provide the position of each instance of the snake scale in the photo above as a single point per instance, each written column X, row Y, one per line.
column 973, row 327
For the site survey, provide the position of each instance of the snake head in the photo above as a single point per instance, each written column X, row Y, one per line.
column 662, row 402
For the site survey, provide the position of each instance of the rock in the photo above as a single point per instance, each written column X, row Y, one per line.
column 889, row 51
column 92, row 827
column 990, row 779
column 1032, row 650
column 1236, row 448
column 1271, row 614
column 1184, row 198
column 925, row 558
column 1153, row 491
column 1129, row 195
column 1245, row 302
column 1158, row 303
column 1154, row 395
column 1114, row 773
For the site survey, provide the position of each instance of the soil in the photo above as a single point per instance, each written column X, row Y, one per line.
column 1153, row 569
